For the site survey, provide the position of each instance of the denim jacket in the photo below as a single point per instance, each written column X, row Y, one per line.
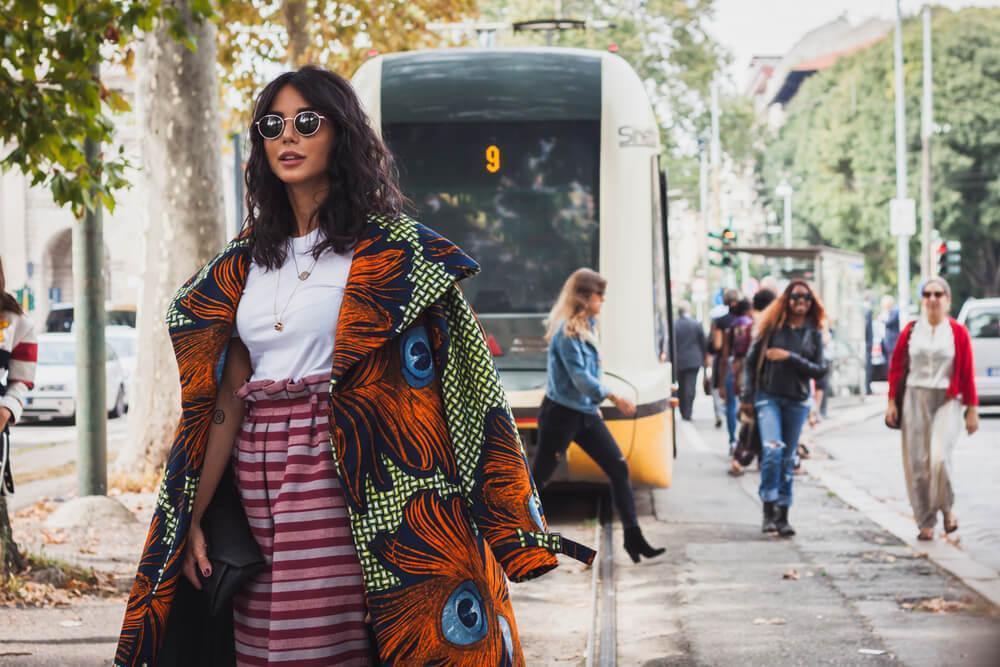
column 574, row 370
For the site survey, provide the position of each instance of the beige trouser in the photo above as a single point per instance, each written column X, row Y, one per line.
column 931, row 426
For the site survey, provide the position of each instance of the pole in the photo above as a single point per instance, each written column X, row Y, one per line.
column 88, row 328
column 926, row 131
column 238, row 179
column 903, row 240
column 716, row 221
column 703, row 223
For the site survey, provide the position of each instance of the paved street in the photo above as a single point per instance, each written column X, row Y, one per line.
column 868, row 454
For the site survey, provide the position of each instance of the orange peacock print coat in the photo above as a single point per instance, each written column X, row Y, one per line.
column 443, row 508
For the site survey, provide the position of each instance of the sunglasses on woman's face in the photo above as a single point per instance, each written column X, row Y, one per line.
column 306, row 124
column 800, row 296
column 933, row 295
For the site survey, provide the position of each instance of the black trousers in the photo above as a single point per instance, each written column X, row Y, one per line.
column 687, row 381
column 558, row 426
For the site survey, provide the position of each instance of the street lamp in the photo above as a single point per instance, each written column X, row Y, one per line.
column 784, row 190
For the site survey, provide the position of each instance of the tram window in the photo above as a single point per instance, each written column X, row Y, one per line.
column 526, row 211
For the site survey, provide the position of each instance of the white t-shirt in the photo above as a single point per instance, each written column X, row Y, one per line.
column 304, row 346
column 932, row 355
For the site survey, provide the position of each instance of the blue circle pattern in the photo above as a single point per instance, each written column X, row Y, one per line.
column 418, row 362
column 463, row 620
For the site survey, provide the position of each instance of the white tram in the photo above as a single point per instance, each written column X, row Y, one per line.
column 538, row 161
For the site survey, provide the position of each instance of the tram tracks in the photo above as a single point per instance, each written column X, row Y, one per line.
column 602, row 649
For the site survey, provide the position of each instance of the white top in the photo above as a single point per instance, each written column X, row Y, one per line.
column 932, row 355
column 304, row 346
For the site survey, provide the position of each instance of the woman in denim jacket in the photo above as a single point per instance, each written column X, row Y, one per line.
column 789, row 335
column 570, row 411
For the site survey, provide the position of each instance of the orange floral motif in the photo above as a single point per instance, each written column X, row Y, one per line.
column 453, row 607
column 377, row 411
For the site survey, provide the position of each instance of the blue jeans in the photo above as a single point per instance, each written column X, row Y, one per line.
column 780, row 421
column 731, row 409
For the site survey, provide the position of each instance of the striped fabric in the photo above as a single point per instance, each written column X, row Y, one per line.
column 18, row 361
column 307, row 608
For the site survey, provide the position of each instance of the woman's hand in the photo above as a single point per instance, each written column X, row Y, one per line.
column 971, row 420
column 196, row 555
column 746, row 409
column 891, row 414
column 626, row 406
column 776, row 354
column 5, row 416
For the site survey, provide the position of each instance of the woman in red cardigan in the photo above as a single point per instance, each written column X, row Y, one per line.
column 932, row 368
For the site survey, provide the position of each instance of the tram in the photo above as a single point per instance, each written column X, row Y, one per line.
column 539, row 161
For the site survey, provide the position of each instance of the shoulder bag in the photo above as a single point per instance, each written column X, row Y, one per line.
column 749, row 445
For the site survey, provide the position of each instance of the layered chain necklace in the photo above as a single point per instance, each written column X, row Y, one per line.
column 302, row 276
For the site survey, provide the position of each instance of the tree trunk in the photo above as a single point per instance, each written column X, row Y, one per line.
column 11, row 560
column 297, row 28
column 181, row 144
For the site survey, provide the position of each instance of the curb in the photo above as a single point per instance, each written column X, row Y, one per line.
column 976, row 576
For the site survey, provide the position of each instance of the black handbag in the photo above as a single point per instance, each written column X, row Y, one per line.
column 748, row 443
column 232, row 549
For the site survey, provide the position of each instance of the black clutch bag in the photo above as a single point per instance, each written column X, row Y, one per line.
column 232, row 549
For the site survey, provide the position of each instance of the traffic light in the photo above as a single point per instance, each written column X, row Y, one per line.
column 720, row 247
column 949, row 258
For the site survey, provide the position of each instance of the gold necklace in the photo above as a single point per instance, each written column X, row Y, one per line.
column 278, row 324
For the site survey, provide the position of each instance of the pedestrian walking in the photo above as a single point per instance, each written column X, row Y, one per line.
column 18, row 362
column 359, row 412
column 722, row 379
column 736, row 339
column 689, row 337
column 571, row 412
column 932, row 378
column 787, row 353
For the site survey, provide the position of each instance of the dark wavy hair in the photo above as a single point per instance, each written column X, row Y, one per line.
column 362, row 173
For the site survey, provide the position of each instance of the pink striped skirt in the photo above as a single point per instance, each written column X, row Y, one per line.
column 307, row 607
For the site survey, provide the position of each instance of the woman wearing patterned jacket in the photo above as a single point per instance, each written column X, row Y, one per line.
column 328, row 355
column 18, row 359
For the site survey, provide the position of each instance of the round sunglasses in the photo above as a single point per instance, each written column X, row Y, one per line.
column 306, row 124
column 800, row 296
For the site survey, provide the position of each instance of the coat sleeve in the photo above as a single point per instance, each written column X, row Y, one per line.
column 965, row 366
column 571, row 356
column 814, row 366
column 495, row 477
column 899, row 365
column 23, row 363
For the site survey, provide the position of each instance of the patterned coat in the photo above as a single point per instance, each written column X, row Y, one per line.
column 441, row 500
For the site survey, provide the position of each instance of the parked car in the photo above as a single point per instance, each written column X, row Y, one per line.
column 123, row 340
column 982, row 318
column 55, row 391
column 60, row 317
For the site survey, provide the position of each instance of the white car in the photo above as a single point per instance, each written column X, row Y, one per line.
column 123, row 341
column 55, row 391
column 982, row 318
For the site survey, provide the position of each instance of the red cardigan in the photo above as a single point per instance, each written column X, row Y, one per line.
column 963, row 376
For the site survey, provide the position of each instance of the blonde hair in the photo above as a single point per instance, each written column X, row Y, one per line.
column 570, row 309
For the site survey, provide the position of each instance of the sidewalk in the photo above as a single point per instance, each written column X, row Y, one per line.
column 842, row 592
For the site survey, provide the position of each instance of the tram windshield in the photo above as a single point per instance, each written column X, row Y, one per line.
column 522, row 199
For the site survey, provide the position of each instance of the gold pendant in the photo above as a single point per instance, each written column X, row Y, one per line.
column 304, row 275
column 278, row 326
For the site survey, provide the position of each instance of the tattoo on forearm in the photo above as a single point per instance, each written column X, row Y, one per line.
column 220, row 417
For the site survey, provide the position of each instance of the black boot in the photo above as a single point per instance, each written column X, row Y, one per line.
column 784, row 528
column 768, row 525
column 636, row 545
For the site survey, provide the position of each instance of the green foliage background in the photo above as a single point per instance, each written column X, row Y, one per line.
column 837, row 147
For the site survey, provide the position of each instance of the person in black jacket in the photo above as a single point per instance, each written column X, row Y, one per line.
column 789, row 336
column 689, row 337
